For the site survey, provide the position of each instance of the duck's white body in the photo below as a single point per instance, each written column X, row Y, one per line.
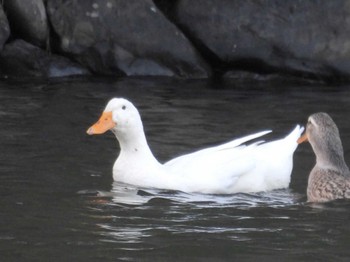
column 228, row 168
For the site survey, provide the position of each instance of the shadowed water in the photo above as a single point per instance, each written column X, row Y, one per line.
column 59, row 202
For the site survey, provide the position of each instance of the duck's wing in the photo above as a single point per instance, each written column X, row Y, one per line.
column 214, row 172
column 215, row 169
column 234, row 144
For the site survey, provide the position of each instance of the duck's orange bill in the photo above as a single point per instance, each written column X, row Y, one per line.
column 104, row 124
column 303, row 139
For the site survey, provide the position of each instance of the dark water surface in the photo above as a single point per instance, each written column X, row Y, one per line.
column 59, row 203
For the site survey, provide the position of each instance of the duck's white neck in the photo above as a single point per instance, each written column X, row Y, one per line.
column 134, row 142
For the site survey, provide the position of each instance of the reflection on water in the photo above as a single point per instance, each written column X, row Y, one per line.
column 200, row 208
column 268, row 223
column 58, row 200
column 131, row 195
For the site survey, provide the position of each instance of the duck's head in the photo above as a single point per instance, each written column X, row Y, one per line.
column 323, row 135
column 119, row 116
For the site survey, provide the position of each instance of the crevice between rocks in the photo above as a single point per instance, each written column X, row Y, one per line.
column 168, row 8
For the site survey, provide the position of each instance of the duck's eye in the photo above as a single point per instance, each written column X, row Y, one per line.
column 310, row 123
column 123, row 107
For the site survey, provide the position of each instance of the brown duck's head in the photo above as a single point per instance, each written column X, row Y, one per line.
column 323, row 135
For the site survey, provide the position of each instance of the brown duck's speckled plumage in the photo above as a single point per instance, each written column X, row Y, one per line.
column 330, row 177
column 326, row 184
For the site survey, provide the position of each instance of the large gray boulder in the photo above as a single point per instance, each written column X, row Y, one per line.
column 28, row 20
column 4, row 28
column 22, row 59
column 128, row 37
column 308, row 38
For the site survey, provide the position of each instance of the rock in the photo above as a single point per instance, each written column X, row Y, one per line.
column 305, row 38
column 21, row 59
column 124, row 37
column 254, row 39
column 4, row 28
column 28, row 20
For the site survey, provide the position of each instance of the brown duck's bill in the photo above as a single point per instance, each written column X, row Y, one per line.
column 302, row 139
column 104, row 124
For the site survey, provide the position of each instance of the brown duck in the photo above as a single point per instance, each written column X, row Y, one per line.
column 330, row 177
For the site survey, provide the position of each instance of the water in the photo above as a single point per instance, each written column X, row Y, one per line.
column 59, row 203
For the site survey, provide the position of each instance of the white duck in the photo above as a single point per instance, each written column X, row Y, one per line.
column 224, row 169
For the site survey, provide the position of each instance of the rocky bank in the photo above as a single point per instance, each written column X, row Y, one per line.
column 308, row 40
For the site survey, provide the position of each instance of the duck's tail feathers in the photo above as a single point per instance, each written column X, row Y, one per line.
column 295, row 134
